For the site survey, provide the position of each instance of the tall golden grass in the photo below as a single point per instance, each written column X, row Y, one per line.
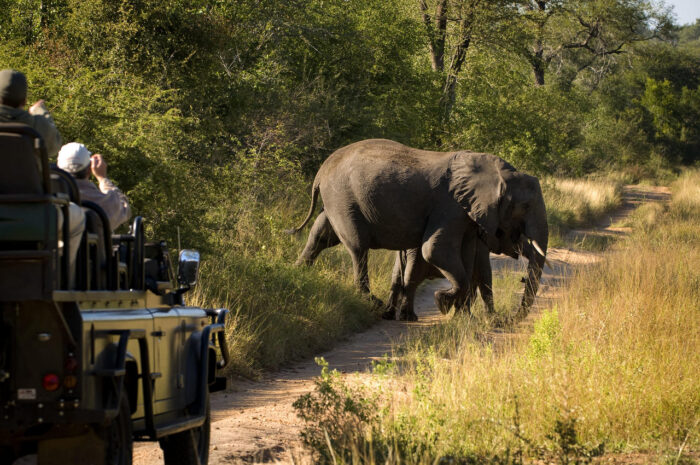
column 614, row 365
column 573, row 203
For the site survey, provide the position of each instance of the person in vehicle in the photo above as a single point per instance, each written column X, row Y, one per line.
column 76, row 159
column 13, row 99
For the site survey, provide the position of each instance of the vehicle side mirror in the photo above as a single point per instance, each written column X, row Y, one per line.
column 188, row 267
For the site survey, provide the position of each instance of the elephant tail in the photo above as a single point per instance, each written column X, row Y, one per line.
column 314, row 197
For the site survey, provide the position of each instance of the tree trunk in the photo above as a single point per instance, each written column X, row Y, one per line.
column 450, row 92
column 539, row 64
column 436, row 33
column 458, row 59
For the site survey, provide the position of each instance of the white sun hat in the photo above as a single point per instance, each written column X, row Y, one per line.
column 74, row 157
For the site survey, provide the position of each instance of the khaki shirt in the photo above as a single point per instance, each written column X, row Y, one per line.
column 109, row 197
column 40, row 120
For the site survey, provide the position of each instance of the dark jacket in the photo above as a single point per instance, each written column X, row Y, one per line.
column 41, row 121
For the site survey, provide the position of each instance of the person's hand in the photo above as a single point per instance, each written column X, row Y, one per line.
column 38, row 105
column 98, row 166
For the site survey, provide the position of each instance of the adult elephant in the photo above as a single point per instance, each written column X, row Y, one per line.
column 379, row 194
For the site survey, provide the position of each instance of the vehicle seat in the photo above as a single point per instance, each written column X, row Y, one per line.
column 30, row 267
column 157, row 267
column 100, row 255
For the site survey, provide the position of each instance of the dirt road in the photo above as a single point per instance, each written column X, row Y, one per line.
column 254, row 422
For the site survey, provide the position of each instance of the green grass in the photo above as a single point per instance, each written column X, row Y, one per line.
column 613, row 366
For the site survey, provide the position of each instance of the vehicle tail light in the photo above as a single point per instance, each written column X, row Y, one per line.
column 51, row 382
column 70, row 381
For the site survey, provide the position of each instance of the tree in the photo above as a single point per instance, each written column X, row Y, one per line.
column 581, row 35
column 451, row 26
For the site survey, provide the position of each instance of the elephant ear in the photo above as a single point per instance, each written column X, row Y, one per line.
column 476, row 182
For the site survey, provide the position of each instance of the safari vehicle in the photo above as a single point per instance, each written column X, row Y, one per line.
column 95, row 357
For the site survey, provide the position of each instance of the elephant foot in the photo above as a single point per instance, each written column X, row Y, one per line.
column 522, row 313
column 390, row 314
column 301, row 261
column 376, row 302
column 408, row 316
column 443, row 301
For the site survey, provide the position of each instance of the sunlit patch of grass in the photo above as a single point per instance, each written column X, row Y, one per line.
column 575, row 203
column 592, row 241
column 612, row 366
column 579, row 202
column 686, row 195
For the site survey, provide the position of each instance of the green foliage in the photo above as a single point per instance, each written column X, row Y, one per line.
column 213, row 116
column 533, row 127
column 545, row 337
column 334, row 412
column 676, row 115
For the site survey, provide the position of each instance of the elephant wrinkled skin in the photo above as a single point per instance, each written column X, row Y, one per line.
column 379, row 194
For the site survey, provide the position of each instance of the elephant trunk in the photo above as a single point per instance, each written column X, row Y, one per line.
column 536, row 231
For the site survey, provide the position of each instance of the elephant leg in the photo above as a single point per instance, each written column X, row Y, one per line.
column 471, row 296
column 359, row 263
column 396, row 294
column 415, row 272
column 470, row 253
column 439, row 247
column 483, row 276
column 321, row 237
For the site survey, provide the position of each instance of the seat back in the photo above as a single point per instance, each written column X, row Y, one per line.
column 24, row 167
column 29, row 260
column 63, row 182
column 100, row 256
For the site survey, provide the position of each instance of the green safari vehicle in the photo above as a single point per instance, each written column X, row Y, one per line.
column 104, row 353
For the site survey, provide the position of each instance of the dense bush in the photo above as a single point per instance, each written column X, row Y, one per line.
column 214, row 115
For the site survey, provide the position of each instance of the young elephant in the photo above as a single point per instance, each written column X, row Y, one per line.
column 410, row 269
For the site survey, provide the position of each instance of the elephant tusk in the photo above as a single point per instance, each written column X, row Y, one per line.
column 539, row 250
column 537, row 247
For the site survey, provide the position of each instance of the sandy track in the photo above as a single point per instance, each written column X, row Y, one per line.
column 254, row 421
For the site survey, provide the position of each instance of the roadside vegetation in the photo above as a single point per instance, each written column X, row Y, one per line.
column 574, row 203
column 612, row 366
column 283, row 312
column 214, row 116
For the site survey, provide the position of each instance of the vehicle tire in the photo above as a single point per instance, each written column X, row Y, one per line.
column 189, row 447
column 118, row 435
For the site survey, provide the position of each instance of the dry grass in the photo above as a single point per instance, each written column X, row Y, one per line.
column 614, row 366
column 573, row 203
